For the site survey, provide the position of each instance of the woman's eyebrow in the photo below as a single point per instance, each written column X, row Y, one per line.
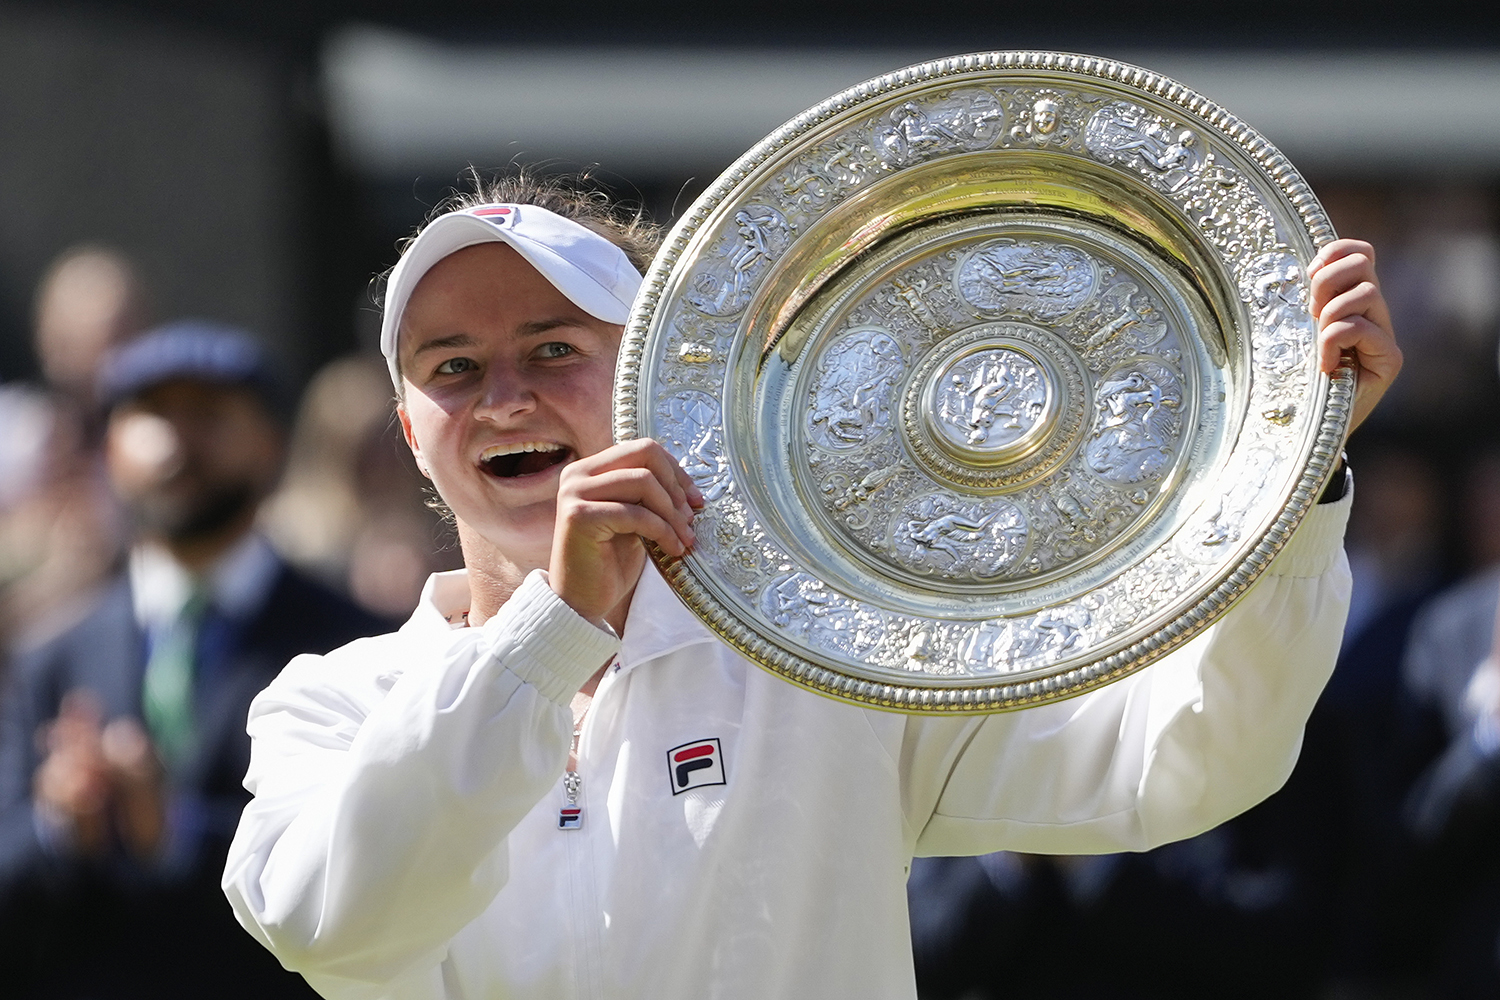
column 538, row 327
column 442, row 343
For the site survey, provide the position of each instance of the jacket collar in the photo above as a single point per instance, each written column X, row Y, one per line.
column 658, row 622
column 444, row 594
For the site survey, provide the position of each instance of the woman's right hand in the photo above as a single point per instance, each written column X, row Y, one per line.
column 606, row 504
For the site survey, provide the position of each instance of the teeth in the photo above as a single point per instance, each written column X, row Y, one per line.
column 496, row 450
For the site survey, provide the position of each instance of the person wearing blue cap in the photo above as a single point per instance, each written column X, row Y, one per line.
column 556, row 782
column 122, row 740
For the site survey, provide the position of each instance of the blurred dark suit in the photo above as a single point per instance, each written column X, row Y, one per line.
column 115, row 927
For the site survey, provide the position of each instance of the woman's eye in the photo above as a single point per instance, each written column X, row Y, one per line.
column 556, row 349
column 456, row 366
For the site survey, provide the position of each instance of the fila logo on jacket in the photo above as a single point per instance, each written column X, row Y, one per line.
column 695, row 764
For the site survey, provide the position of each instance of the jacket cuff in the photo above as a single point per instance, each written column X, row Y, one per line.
column 1316, row 545
column 549, row 645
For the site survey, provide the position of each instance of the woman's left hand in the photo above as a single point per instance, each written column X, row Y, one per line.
column 1354, row 321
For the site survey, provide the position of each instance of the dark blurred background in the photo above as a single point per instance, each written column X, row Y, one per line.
column 258, row 163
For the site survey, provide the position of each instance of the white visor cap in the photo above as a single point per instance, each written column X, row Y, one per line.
column 592, row 272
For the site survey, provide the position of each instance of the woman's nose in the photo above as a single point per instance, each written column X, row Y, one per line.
column 506, row 395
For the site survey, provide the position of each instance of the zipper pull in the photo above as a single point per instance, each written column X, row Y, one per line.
column 570, row 816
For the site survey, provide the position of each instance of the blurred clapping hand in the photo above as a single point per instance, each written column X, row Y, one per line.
column 99, row 784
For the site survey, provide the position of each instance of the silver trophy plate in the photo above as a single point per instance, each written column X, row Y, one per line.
column 997, row 374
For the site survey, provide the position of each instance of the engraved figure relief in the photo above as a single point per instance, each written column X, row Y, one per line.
column 1042, row 280
column 1163, row 576
column 917, row 306
column 852, row 498
column 804, row 606
column 725, row 283
column 739, row 560
column 1274, row 286
column 995, row 647
column 1077, row 529
column 692, row 424
column 1136, row 429
column 1042, row 123
column 983, row 649
column 730, row 539
column 1165, row 155
column 992, row 398
column 1053, row 634
column 851, row 394
column 909, row 294
column 821, row 177
column 1227, row 518
column 1122, row 317
column 924, row 653
column 937, row 534
column 1072, row 518
column 964, row 121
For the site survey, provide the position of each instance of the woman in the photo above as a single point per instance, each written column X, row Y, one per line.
column 477, row 804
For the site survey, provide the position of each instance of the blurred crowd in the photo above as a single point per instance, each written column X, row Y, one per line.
column 172, row 530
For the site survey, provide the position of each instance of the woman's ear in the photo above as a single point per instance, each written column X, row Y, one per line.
column 411, row 441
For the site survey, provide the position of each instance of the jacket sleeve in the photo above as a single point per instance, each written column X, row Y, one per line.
column 1166, row 753
column 386, row 777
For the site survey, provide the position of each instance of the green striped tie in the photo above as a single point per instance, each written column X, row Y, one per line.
column 167, row 695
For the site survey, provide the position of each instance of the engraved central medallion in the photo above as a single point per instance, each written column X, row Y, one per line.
column 995, row 407
column 991, row 404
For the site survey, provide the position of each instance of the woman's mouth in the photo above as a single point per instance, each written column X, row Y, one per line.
column 511, row 461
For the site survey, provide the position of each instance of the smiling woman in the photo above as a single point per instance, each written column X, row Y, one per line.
column 504, row 380
column 482, row 811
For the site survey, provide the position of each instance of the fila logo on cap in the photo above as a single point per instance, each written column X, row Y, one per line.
column 695, row 764
column 500, row 215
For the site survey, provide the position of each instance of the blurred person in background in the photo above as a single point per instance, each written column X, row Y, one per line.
column 122, row 741
column 90, row 301
column 350, row 508
column 1451, row 674
column 60, row 529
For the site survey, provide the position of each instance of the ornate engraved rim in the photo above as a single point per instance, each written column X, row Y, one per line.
column 935, row 698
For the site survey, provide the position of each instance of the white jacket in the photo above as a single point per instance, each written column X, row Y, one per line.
column 404, row 841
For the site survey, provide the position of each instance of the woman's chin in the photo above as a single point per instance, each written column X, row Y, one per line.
column 522, row 540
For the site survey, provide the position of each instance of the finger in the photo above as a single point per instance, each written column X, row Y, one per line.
column 1363, row 299
column 694, row 494
column 670, row 474
column 623, row 518
column 643, row 453
column 81, row 705
column 651, row 455
column 1337, row 250
column 1374, row 350
column 1339, row 276
column 641, row 487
